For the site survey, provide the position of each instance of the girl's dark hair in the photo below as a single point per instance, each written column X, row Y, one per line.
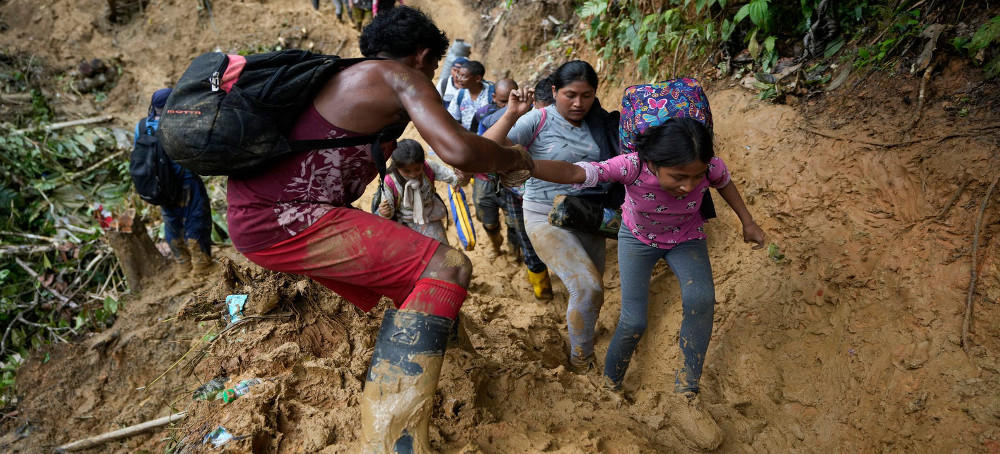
column 573, row 71
column 543, row 91
column 401, row 32
column 678, row 141
column 408, row 151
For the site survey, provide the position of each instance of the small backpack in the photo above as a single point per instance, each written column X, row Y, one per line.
column 231, row 115
column 152, row 171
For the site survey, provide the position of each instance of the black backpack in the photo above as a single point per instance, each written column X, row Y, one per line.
column 231, row 115
column 151, row 169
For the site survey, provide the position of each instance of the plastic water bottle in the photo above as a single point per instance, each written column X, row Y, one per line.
column 242, row 388
column 459, row 48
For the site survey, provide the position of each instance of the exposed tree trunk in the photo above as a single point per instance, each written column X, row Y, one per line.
column 136, row 252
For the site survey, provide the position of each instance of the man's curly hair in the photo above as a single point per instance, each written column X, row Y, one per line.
column 401, row 32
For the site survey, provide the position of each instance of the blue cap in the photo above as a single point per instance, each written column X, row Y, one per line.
column 459, row 61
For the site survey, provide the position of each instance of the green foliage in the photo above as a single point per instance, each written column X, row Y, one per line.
column 49, row 183
column 903, row 28
column 774, row 252
column 986, row 35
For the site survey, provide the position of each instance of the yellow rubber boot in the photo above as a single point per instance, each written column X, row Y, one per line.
column 541, row 284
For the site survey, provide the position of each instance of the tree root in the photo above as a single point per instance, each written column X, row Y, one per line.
column 972, row 284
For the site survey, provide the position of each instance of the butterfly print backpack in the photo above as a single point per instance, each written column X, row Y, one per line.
column 652, row 104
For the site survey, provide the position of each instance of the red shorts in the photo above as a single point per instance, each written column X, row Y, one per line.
column 358, row 255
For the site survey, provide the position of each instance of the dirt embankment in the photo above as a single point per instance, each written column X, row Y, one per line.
column 844, row 338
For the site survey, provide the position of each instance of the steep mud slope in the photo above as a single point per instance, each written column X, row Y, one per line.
column 843, row 337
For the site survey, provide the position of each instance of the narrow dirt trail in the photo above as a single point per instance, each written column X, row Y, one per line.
column 844, row 338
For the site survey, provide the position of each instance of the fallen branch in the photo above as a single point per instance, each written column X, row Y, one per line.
column 66, row 124
column 32, row 236
column 120, row 433
column 27, row 249
column 35, row 275
column 972, row 284
column 923, row 94
column 97, row 165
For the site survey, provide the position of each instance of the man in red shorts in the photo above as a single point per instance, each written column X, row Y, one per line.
column 296, row 217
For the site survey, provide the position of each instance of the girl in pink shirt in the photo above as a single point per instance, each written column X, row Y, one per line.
column 665, row 181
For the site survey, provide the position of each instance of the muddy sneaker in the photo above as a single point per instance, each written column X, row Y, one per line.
column 694, row 422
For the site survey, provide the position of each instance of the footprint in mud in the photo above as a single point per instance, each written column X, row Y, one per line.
column 912, row 356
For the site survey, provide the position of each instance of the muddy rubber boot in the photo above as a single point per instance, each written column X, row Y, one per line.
column 541, row 284
column 182, row 259
column 694, row 422
column 402, row 379
column 201, row 263
column 496, row 241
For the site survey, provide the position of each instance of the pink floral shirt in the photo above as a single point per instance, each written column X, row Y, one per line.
column 654, row 216
column 296, row 191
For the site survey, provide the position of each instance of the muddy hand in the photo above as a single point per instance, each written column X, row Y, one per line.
column 463, row 178
column 752, row 233
column 523, row 160
column 514, row 178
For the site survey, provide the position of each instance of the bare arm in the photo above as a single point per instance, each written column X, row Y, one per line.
column 751, row 231
column 562, row 172
column 452, row 143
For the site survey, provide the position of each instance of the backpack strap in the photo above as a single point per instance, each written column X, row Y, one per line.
column 429, row 172
column 541, row 123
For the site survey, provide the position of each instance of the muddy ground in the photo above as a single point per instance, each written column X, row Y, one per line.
column 844, row 339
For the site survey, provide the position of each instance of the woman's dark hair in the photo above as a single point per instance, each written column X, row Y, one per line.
column 401, row 32
column 678, row 141
column 408, row 151
column 543, row 91
column 573, row 71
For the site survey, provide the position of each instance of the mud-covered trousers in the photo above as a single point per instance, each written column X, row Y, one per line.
column 690, row 263
column 191, row 219
column 578, row 260
column 489, row 199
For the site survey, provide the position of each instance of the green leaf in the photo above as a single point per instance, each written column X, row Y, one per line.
column 752, row 45
column 111, row 305
column 593, row 8
column 758, row 11
column 769, row 44
column 986, row 34
column 727, row 29
column 644, row 65
column 742, row 13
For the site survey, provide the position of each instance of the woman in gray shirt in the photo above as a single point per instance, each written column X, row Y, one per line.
column 560, row 131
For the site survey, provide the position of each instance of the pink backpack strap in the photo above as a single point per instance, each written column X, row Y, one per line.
column 541, row 124
column 391, row 182
column 429, row 171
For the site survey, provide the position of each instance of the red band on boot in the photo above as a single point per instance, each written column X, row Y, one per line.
column 433, row 296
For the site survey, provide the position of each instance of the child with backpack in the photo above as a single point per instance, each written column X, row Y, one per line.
column 672, row 165
column 180, row 194
column 408, row 195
